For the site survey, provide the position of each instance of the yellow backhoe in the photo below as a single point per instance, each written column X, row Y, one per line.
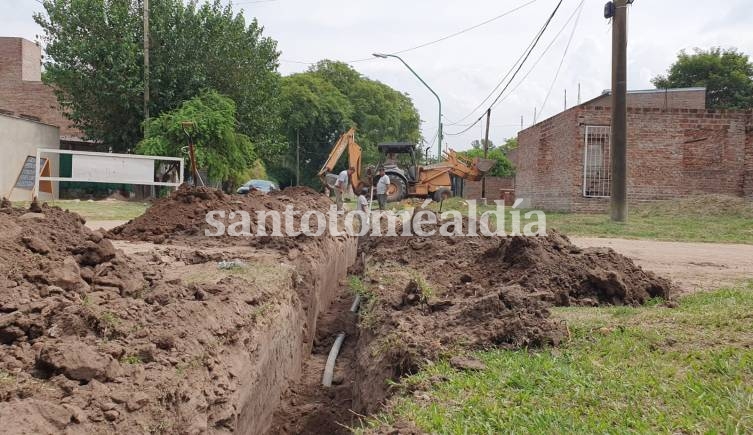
column 413, row 181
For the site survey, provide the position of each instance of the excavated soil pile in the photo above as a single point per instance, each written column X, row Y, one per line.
column 94, row 341
column 183, row 215
column 437, row 296
column 549, row 268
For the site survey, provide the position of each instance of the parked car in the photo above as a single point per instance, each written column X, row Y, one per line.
column 264, row 186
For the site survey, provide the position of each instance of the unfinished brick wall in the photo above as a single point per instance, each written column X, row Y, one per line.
column 22, row 92
column 494, row 188
column 692, row 98
column 671, row 153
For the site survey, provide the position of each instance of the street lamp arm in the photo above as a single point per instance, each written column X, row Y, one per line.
column 440, row 136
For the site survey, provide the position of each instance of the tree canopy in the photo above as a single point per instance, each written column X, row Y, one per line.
column 726, row 74
column 94, row 58
column 317, row 106
column 503, row 166
column 225, row 153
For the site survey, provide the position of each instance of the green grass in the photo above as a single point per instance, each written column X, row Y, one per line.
column 709, row 218
column 105, row 210
column 625, row 370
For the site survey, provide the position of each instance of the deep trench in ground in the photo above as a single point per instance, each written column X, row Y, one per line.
column 308, row 407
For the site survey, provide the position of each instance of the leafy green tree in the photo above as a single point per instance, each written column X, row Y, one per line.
column 227, row 155
column 503, row 166
column 319, row 105
column 315, row 113
column 726, row 74
column 94, row 58
column 380, row 113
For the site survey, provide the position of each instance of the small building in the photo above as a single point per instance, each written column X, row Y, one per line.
column 676, row 148
column 19, row 140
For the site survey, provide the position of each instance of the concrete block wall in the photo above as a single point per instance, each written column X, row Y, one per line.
column 691, row 98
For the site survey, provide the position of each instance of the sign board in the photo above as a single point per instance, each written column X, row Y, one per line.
column 26, row 179
column 112, row 169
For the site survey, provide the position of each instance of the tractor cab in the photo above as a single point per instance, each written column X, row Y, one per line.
column 399, row 158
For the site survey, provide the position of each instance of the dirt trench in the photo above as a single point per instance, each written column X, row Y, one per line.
column 141, row 331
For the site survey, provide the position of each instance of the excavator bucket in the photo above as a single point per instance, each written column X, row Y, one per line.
column 484, row 165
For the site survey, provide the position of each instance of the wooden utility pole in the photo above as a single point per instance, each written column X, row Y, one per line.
column 618, row 202
column 146, row 59
column 486, row 151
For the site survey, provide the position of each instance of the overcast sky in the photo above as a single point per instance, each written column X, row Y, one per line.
column 464, row 69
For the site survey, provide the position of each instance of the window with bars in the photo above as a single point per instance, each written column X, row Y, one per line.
column 597, row 165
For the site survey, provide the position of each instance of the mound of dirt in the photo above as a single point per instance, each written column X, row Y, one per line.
column 183, row 214
column 434, row 297
column 95, row 341
column 550, row 268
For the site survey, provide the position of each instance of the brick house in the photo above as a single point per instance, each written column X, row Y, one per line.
column 676, row 148
column 22, row 92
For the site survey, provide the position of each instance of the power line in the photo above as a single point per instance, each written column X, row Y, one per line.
column 426, row 44
column 452, row 35
column 562, row 61
column 528, row 54
column 543, row 53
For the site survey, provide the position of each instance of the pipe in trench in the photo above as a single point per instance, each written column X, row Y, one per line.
column 329, row 367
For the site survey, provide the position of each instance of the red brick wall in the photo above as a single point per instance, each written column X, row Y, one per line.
column 660, row 99
column 545, row 177
column 671, row 154
column 494, row 187
column 21, row 91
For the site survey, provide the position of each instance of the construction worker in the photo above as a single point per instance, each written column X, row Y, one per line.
column 341, row 184
column 381, row 188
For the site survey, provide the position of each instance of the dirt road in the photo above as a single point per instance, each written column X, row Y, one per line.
column 694, row 266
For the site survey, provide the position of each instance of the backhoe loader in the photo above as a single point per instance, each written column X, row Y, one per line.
column 411, row 181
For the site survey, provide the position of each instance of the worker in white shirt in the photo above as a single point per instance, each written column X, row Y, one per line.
column 341, row 184
column 381, row 188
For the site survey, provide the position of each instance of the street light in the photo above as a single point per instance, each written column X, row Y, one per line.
column 439, row 131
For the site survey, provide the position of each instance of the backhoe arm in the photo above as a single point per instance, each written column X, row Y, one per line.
column 346, row 142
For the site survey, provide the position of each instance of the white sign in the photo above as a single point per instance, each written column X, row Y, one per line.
column 112, row 169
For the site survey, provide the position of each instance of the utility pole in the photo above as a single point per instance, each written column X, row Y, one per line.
column 521, row 122
column 618, row 203
column 565, row 99
column 146, row 60
column 297, row 158
column 579, row 94
column 486, row 151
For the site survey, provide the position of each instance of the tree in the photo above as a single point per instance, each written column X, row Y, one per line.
column 380, row 113
column 225, row 153
column 319, row 105
column 315, row 114
column 503, row 166
column 726, row 74
column 94, row 59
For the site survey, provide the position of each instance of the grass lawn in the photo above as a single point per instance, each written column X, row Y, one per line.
column 104, row 210
column 625, row 370
column 696, row 219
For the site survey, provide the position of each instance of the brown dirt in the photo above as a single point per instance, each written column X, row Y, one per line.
column 439, row 297
column 159, row 340
column 97, row 341
column 182, row 216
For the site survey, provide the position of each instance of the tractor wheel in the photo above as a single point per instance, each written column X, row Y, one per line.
column 441, row 194
column 397, row 189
